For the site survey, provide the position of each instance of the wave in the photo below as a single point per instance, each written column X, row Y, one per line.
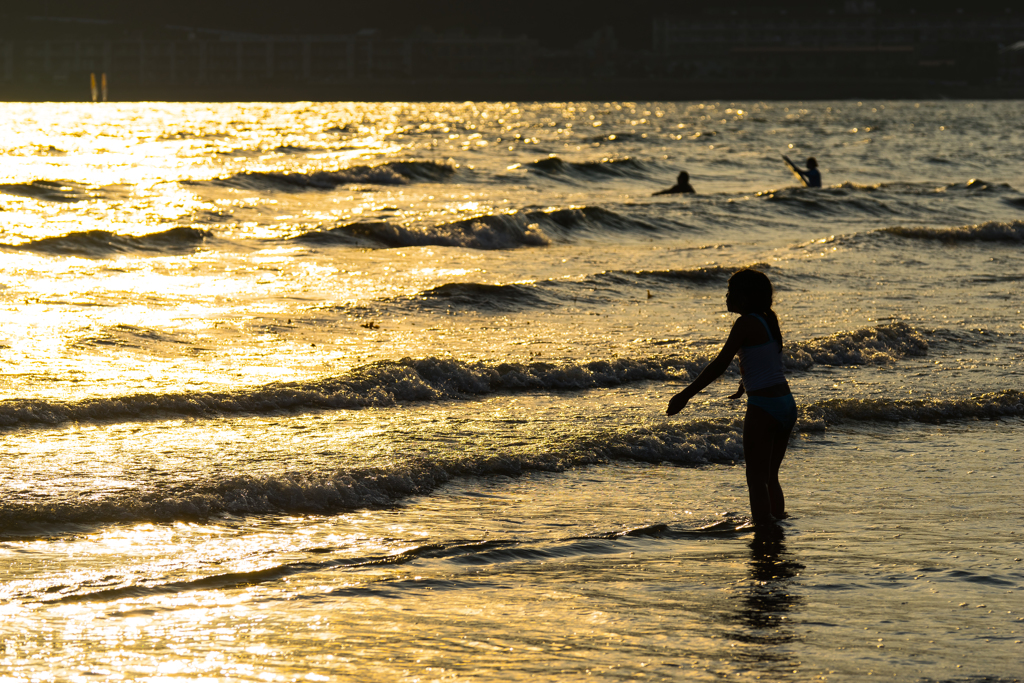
column 387, row 383
column 690, row 444
column 192, row 135
column 837, row 201
column 870, row 346
column 546, row 293
column 293, row 149
column 48, row 190
column 883, row 201
column 476, row 552
column 491, row 231
column 990, row 231
column 617, row 137
column 590, row 170
column 989, row 406
column 35, row 150
column 487, row 231
column 481, row 296
column 100, row 243
column 972, row 185
column 978, row 185
column 390, row 173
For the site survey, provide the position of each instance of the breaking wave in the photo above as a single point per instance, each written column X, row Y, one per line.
column 491, row 231
column 100, row 243
column 387, row 383
column 692, row 444
column 390, row 173
column 488, row 231
column 990, row 231
column 869, row 346
column 689, row 444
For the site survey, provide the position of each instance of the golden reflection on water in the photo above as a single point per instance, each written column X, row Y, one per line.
column 247, row 594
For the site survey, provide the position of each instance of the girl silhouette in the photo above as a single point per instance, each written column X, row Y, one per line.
column 771, row 410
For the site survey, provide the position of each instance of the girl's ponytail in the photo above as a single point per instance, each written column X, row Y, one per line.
column 773, row 325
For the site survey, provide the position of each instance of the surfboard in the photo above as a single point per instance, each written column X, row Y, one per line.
column 795, row 170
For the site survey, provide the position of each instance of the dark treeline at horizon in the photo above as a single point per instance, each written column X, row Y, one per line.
column 554, row 24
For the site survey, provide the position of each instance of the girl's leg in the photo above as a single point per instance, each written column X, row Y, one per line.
column 764, row 447
column 779, row 445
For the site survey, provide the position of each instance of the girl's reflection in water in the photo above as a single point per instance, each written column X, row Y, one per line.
column 766, row 608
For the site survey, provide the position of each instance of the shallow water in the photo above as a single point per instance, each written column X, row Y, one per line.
column 377, row 391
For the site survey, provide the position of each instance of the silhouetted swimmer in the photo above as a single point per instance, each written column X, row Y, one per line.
column 771, row 410
column 682, row 186
column 811, row 177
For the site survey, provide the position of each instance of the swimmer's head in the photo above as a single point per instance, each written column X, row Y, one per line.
column 812, row 162
column 750, row 291
column 684, row 177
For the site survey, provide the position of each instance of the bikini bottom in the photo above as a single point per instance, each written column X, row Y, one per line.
column 782, row 408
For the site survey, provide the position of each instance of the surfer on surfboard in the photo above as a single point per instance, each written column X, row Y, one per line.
column 682, row 186
column 771, row 410
column 811, row 177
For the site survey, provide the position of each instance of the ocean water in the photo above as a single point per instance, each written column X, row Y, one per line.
column 349, row 391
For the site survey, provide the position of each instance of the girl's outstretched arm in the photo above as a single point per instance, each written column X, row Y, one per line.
column 713, row 370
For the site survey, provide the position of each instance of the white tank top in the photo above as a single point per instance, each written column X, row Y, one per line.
column 761, row 364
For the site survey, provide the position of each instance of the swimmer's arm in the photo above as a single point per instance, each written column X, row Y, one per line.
column 739, row 392
column 714, row 369
column 802, row 172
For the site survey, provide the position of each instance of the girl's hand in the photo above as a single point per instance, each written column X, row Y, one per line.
column 739, row 392
column 677, row 403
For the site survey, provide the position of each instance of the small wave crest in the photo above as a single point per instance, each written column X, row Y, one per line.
column 491, row 231
column 390, row 173
column 1008, row 403
column 101, row 243
column 617, row 137
column 127, row 336
column 481, row 296
column 48, row 190
column 990, row 231
column 701, row 274
column 589, row 170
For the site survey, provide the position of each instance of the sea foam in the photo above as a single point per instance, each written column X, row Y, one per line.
column 686, row 444
column 387, row 383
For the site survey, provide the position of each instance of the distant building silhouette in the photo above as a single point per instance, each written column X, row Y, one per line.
column 766, row 53
column 858, row 46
